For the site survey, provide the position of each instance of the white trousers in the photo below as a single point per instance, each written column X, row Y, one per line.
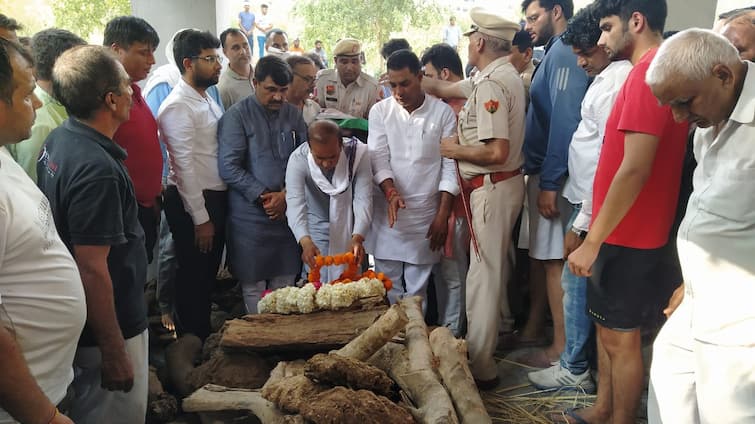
column 408, row 279
column 694, row 382
column 94, row 405
column 252, row 292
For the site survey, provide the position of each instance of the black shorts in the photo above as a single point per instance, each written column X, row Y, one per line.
column 629, row 288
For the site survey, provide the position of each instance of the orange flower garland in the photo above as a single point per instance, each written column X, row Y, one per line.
column 350, row 274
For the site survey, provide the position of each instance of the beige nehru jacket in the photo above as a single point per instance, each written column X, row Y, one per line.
column 355, row 100
column 495, row 108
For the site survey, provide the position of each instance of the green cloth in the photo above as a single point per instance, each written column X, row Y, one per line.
column 353, row 123
column 51, row 115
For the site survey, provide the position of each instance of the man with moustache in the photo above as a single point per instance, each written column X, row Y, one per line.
column 627, row 254
column 329, row 196
column 236, row 81
column 134, row 42
column 703, row 359
column 93, row 203
column 346, row 88
column 257, row 136
column 195, row 199
column 556, row 93
column 302, row 86
column 582, row 36
column 418, row 185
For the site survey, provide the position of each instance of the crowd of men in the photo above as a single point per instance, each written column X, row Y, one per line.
column 595, row 151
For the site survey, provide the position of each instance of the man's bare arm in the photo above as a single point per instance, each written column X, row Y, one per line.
column 444, row 89
column 117, row 370
column 20, row 395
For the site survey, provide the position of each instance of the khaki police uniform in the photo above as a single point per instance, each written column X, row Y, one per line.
column 357, row 98
column 495, row 109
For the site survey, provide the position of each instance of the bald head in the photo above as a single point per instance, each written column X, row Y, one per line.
column 325, row 144
column 741, row 32
column 324, row 132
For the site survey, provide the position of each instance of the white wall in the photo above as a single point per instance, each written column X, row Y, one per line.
column 169, row 16
column 683, row 14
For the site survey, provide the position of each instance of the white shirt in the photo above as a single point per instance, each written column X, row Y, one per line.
column 406, row 147
column 716, row 239
column 584, row 149
column 41, row 293
column 188, row 124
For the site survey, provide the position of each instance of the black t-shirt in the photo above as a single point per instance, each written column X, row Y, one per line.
column 93, row 203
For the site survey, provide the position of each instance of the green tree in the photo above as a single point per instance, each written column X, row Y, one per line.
column 370, row 21
column 87, row 17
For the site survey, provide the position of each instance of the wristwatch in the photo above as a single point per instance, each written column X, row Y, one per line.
column 580, row 233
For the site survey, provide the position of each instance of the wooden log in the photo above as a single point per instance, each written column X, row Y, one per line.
column 452, row 365
column 412, row 367
column 181, row 356
column 378, row 334
column 212, row 398
column 318, row 331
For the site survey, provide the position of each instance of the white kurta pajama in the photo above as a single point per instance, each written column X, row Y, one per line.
column 330, row 210
column 406, row 147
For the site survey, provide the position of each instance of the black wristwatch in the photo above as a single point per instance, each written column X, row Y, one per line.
column 580, row 233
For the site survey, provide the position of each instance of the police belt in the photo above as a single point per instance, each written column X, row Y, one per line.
column 495, row 177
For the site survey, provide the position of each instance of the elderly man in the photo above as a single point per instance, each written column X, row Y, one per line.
column 582, row 34
column 47, row 45
column 489, row 155
column 346, row 88
column 93, row 202
column 277, row 43
column 257, row 136
column 195, row 199
column 302, row 86
column 417, row 184
column 40, row 289
column 740, row 30
column 329, row 195
column 236, row 80
column 134, row 41
column 703, row 358
column 627, row 253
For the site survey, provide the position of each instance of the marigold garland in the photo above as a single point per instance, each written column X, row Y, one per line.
column 351, row 273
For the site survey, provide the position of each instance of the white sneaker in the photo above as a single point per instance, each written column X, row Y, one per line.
column 557, row 377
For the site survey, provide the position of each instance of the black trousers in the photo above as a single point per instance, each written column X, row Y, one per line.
column 149, row 219
column 196, row 271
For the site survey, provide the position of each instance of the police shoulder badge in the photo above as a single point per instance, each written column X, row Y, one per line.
column 492, row 105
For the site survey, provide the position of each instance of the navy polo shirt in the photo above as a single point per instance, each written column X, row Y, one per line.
column 93, row 203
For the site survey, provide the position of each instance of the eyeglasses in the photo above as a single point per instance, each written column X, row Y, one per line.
column 211, row 59
column 306, row 78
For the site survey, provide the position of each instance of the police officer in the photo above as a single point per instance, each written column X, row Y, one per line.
column 488, row 151
column 346, row 88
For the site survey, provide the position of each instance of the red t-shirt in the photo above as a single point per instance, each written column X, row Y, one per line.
column 648, row 222
column 138, row 137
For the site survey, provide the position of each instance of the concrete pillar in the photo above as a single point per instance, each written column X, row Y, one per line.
column 168, row 16
column 683, row 14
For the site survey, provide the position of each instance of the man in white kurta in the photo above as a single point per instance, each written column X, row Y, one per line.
column 703, row 368
column 416, row 184
column 329, row 196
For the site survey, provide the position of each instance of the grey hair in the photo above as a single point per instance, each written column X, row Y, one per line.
column 497, row 45
column 691, row 55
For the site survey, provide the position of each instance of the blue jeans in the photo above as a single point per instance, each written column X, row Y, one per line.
column 166, row 268
column 577, row 324
column 261, row 45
